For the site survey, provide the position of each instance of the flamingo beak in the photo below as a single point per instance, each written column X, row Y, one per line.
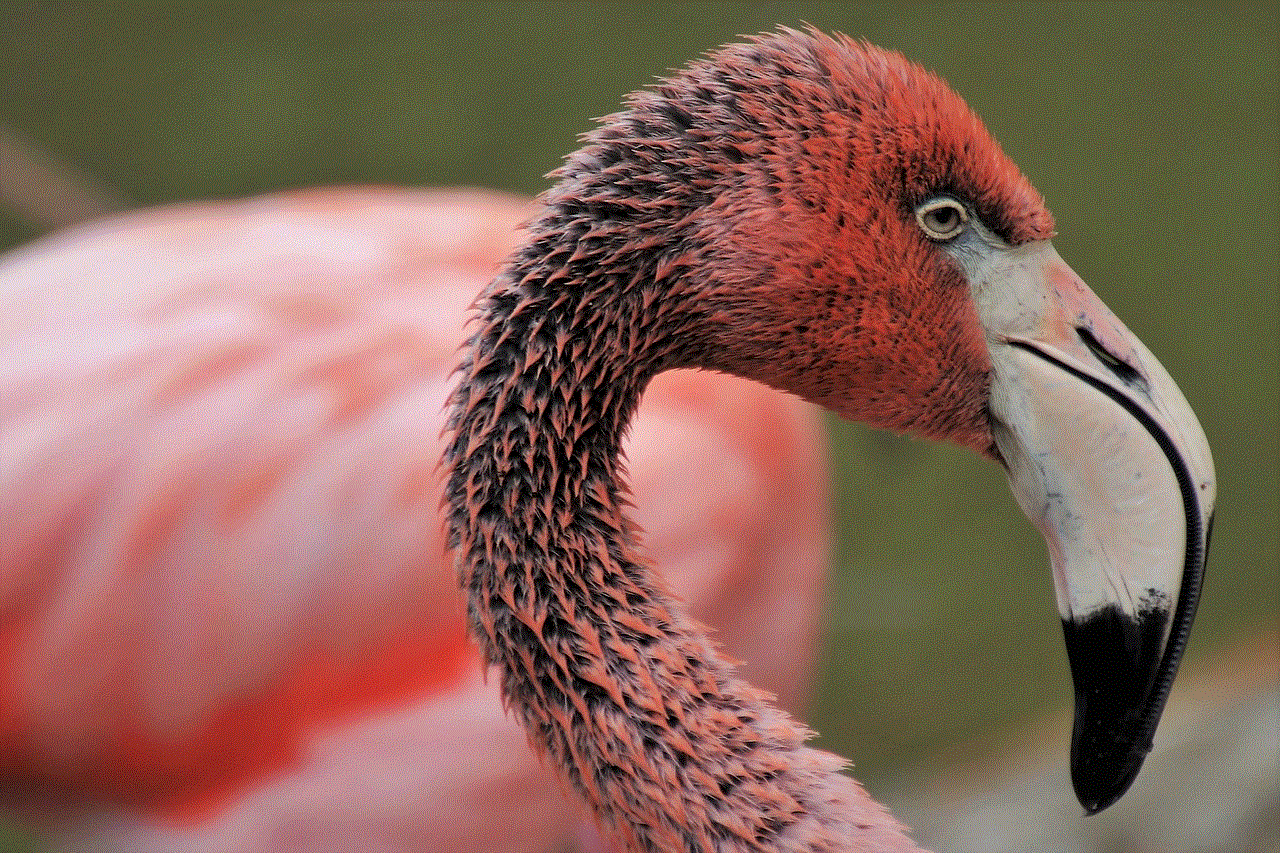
column 1106, row 458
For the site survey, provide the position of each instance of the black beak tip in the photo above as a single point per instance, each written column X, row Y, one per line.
column 1099, row 781
column 1115, row 665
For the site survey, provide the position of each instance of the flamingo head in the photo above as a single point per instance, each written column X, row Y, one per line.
column 844, row 227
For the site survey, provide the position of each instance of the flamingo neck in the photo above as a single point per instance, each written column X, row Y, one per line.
column 609, row 676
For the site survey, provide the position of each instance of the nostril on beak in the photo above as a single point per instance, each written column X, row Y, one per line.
column 1121, row 369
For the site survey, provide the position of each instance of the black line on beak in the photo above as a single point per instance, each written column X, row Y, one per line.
column 1096, row 793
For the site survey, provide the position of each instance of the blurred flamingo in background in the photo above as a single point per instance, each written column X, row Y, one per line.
column 229, row 623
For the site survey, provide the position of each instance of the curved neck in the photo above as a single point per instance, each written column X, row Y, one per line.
column 607, row 673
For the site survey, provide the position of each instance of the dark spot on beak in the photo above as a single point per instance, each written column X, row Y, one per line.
column 1121, row 369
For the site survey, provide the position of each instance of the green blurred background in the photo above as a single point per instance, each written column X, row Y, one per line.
column 1151, row 129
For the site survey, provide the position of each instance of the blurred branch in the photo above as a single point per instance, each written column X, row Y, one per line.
column 49, row 192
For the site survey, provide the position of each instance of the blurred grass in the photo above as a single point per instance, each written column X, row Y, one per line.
column 1151, row 129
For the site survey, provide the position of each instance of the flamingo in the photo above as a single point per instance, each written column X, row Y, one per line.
column 229, row 620
column 824, row 217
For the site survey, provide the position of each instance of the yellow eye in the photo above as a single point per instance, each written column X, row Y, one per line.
column 942, row 218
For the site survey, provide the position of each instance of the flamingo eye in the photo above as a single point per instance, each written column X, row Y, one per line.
column 942, row 218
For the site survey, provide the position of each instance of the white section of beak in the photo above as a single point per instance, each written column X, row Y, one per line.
column 1097, row 437
column 1095, row 483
